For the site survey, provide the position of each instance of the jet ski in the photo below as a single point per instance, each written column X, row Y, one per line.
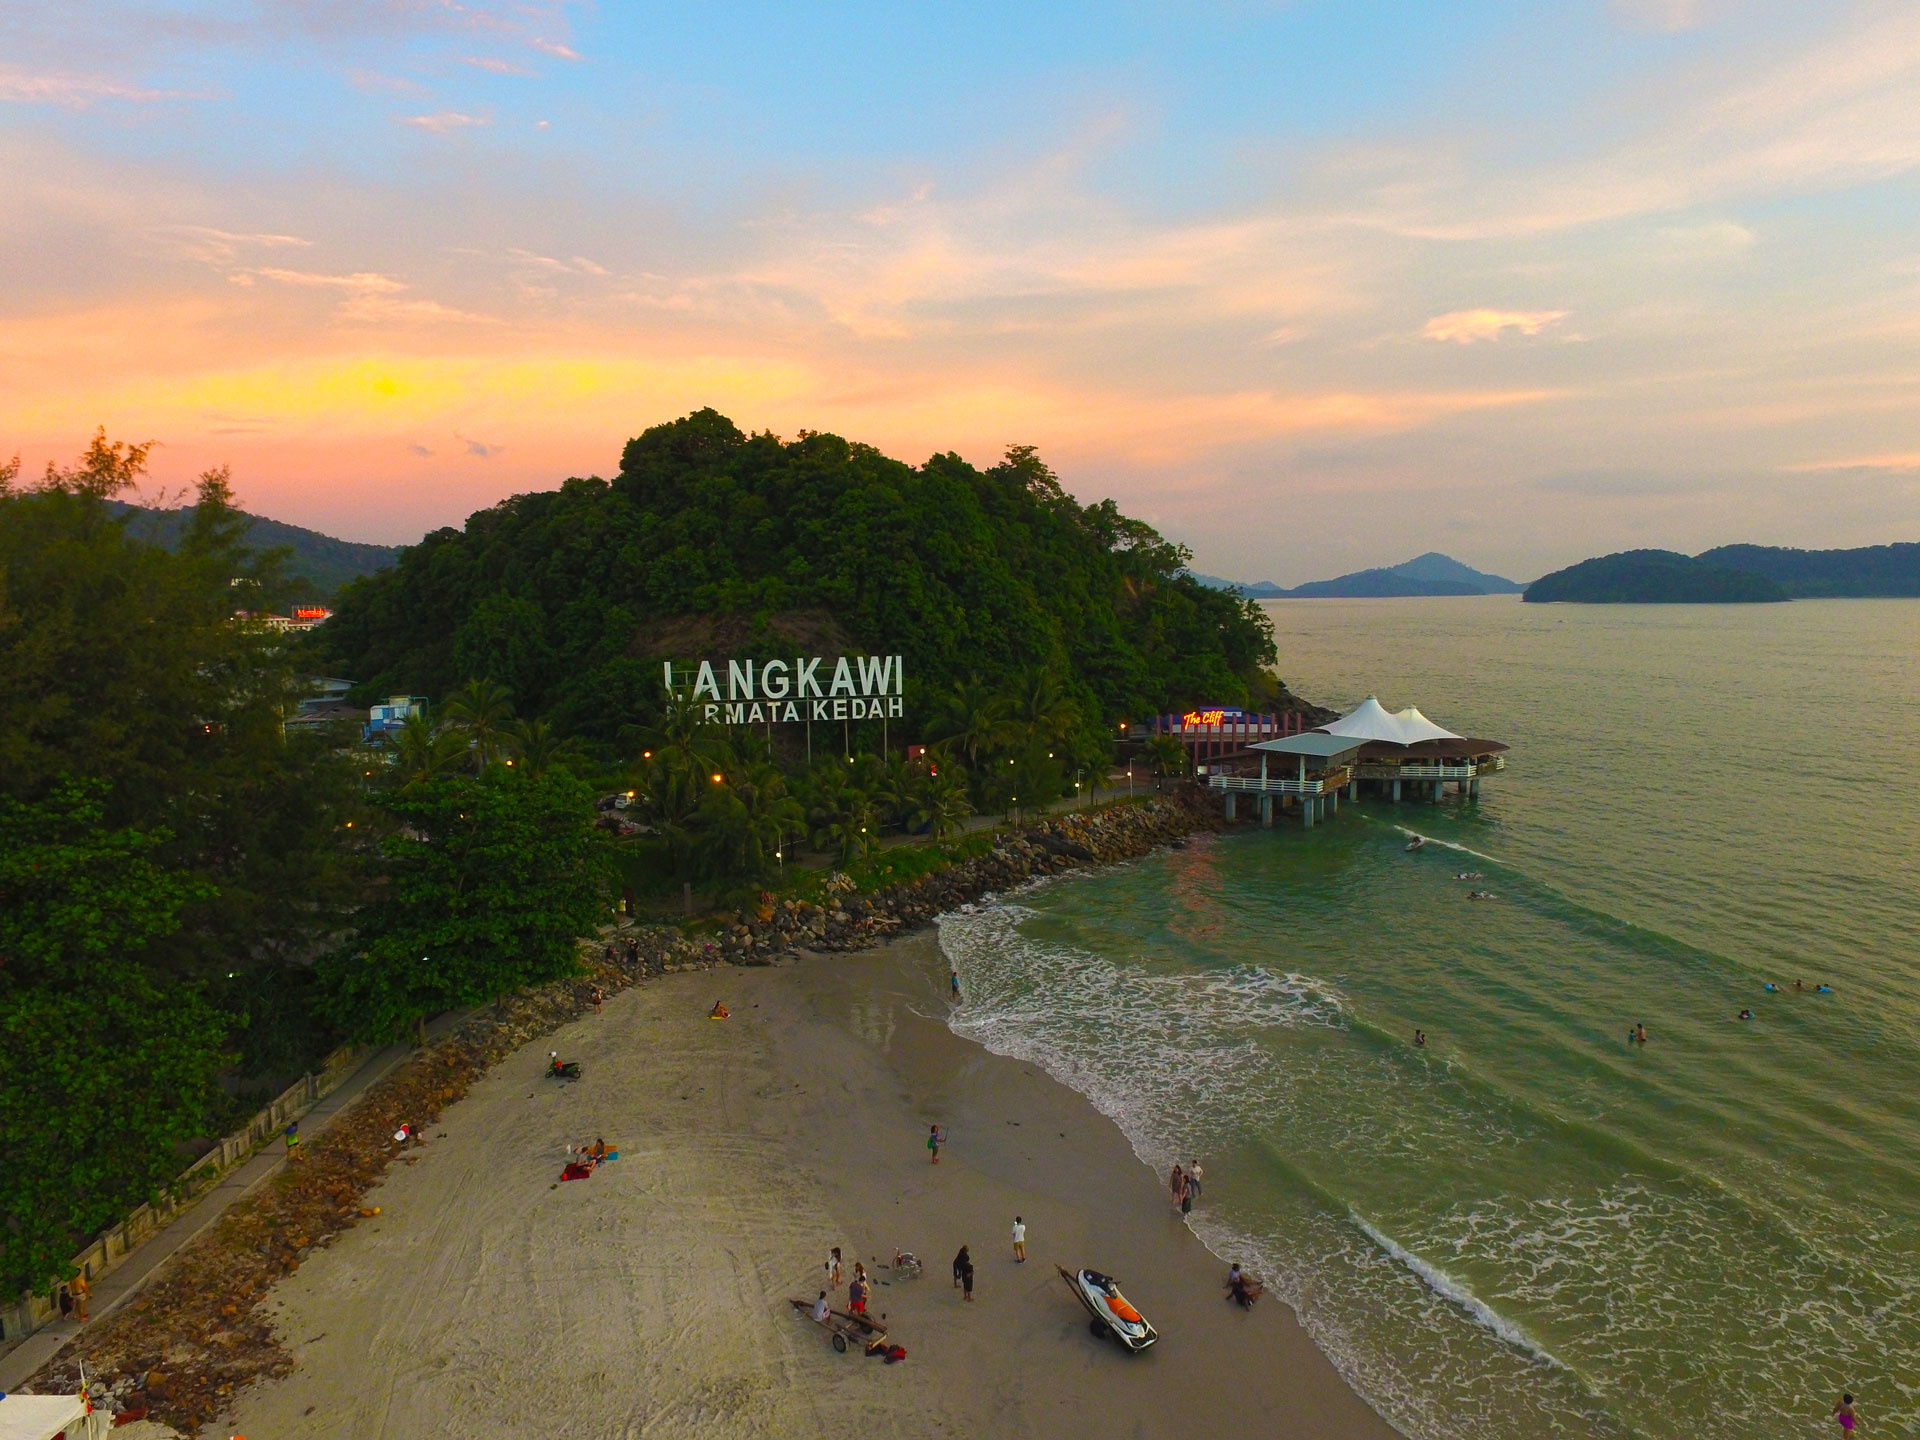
column 1112, row 1315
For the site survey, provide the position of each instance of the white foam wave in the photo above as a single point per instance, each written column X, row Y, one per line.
column 1455, row 845
column 1457, row 1293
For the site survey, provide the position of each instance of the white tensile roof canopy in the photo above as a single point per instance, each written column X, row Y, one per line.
column 1370, row 720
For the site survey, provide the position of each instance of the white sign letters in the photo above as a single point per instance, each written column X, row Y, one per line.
column 857, row 687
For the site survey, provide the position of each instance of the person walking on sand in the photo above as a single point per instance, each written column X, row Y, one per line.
column 1019, row 1241
column 1843, row 1412
column 1187, row 1192
column 1177, row 1184
column 963, row 1271
column 82, row 1292
column 833, row 1268
column 934, row 1139
column 292, row 1136
column 1193, row 1178
column 953, row 985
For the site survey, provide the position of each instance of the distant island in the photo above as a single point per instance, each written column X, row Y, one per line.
column 1733, row 575
column 1428, row 574
column 322, row 562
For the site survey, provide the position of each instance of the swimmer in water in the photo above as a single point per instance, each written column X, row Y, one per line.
column 1823, row 990
column 1419, row 1039
column 1640, row 1032
column 1843, row 1412
column 1771, row 988
column 1746, row 1014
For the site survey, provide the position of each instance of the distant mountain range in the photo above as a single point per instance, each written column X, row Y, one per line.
column 1428, row 574
column 1734, row 574
column 323, row 562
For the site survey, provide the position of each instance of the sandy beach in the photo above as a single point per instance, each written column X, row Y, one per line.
column 651, row 1299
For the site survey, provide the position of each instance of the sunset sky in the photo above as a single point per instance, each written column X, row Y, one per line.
column 1310, row 286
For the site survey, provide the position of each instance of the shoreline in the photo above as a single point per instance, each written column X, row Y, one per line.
column 652, row 1297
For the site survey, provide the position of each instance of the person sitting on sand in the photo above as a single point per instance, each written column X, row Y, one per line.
column 599, row 1150
column 821, row 1308
column 1243, row 1288
column 719, row 1011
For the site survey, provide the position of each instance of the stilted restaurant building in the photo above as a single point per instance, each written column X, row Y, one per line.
column 1398, row 754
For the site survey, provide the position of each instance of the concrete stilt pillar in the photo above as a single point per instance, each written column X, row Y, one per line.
column 1306, row 811
column 1353, row 789
column 1473, row 787
column 1231, row 797
column 1396, row 792
column 1266, row 812
column 1436, row 791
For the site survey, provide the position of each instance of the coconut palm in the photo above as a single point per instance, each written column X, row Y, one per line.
column 969, row 722
column 1038, row 706
column 1165, row 754
column 423, row 753
column 745, row 821
column 481, row 710
column 941, row 804
column 536, row 749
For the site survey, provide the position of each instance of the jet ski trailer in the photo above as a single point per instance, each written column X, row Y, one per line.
column 1111, row 1313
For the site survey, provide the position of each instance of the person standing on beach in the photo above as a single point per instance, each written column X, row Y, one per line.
column 292, row 1136
column 857, row 1293
column 963, row 1271
column 934, row 1137
column 1187, row 1192
column 82, row 1292
column 1193, row 1178
column 1177, row 1184
column 953, row 985
column 833, row 1268
column 1019, row 1241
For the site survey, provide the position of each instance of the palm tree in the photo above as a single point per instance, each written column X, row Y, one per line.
column 970, row 721
column 1040, row 707
column 745, row 821
column 681, row 736
column 481, row 710
column 941, row 805
column 423, row 753
column 1166, row 754
column 536, row 749
column 850, row 827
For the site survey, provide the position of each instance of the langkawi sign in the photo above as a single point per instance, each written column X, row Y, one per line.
column 779, row 692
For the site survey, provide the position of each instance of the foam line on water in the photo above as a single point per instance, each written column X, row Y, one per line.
column 1458, row 1294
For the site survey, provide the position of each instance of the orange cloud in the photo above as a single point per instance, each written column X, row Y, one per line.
column 1464, row 327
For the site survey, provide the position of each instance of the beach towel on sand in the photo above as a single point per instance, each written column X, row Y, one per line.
column 576, row 1171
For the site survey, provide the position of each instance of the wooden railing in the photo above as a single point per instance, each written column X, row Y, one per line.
column 1280, row 784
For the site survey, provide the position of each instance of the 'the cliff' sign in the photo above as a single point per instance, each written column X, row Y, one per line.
column 858, row 687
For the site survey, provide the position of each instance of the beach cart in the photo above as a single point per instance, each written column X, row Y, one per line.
column 845, row 1328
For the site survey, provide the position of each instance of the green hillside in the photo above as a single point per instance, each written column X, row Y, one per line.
column 707, row 536
column 1652, row 577
column 323, row 563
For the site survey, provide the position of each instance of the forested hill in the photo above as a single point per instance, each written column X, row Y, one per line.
column 1652, row 577
column 708, row 536
column 322, row 562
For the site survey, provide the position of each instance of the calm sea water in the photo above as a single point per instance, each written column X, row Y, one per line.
column 1531, row 1227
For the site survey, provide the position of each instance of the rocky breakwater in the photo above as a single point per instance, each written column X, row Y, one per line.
column 848, row 920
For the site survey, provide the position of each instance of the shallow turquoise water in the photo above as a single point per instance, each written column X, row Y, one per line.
column 1531, row 1227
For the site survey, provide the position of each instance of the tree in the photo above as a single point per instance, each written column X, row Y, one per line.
column 747, row 819
column 941, row 804
column 1165, row 754
column 423, row 753
column 486, row 890
column 482, row 711
column 102, row 1070
column 537, row 749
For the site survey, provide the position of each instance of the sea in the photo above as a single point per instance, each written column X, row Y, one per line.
column 1531, row 1226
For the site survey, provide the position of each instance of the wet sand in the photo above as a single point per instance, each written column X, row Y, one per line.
column 651, row 1299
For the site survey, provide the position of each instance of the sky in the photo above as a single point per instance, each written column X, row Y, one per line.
column 1310, row 286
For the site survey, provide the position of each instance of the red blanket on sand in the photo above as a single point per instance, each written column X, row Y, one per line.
column 576, row 1171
